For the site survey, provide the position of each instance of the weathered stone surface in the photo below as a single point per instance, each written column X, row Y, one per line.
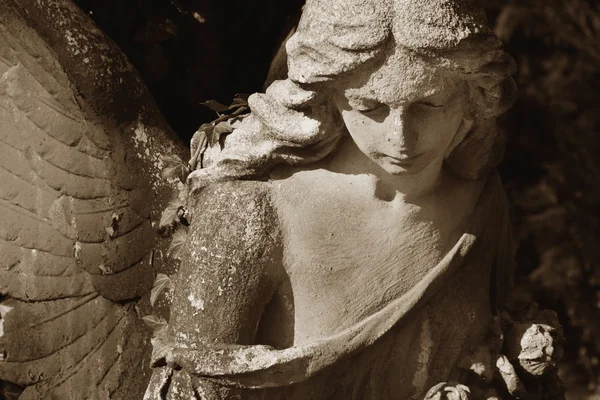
column 368, row 256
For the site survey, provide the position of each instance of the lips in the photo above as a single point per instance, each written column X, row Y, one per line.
column 405, row 158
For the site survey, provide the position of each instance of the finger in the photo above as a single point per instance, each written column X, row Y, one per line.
column 509, row 375
column 198, row 180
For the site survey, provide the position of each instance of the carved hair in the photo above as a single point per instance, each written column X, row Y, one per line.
column 295, row 123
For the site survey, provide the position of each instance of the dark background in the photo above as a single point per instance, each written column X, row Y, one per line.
column 190, row 51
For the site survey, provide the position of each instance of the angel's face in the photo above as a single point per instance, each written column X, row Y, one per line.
column 407, row 115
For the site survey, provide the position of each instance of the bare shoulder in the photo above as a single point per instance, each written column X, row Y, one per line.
column 235, row 224
column 236, row 214
column 480, row 193
column 236, row 189
column 316, row 187
column 462, row 193
column 233, row 202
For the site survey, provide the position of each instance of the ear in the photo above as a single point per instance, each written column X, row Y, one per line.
column 465, row 126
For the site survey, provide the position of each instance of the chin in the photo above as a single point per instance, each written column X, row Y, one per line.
column 397, row 169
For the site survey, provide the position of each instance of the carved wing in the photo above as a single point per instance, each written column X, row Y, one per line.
column 80, row 149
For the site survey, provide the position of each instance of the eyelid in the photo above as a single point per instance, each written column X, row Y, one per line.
column 435, row 101
column 431, row 104
column 367, row 107
column 370, row 110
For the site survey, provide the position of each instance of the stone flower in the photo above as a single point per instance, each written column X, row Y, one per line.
column 445, row 391
column 536, row 345
column 538, row 352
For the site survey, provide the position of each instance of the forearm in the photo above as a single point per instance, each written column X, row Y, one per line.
column 169, row 383
column 222, row 360
column 211, row 390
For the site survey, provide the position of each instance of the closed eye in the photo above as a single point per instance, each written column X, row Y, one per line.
column 371, row 107
column 430, row 104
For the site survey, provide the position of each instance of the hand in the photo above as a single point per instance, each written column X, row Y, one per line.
column 512, row 382
column 162, row 350
column 196, row 180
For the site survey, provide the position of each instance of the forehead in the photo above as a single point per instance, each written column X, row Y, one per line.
column 403, row 77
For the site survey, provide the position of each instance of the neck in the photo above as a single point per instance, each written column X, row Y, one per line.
column 350, row 160
column 412, row 187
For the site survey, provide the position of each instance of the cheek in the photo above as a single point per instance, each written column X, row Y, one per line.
column 363, row 131
column 439, row 128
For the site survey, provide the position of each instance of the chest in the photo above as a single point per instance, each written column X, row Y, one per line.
column 357, row 244
column 348, row 254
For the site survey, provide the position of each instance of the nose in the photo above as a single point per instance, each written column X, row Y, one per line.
column 402, row 136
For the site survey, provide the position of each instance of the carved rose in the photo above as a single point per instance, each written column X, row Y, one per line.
column 444, row 391
column 538, row 351
column 536, row 347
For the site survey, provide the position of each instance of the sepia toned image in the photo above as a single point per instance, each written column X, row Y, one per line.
column 299, row 200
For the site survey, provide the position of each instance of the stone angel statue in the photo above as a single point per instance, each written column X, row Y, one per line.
column 81, row 146
column 350, row 238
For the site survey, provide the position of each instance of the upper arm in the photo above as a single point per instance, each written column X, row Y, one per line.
column 230, row 267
